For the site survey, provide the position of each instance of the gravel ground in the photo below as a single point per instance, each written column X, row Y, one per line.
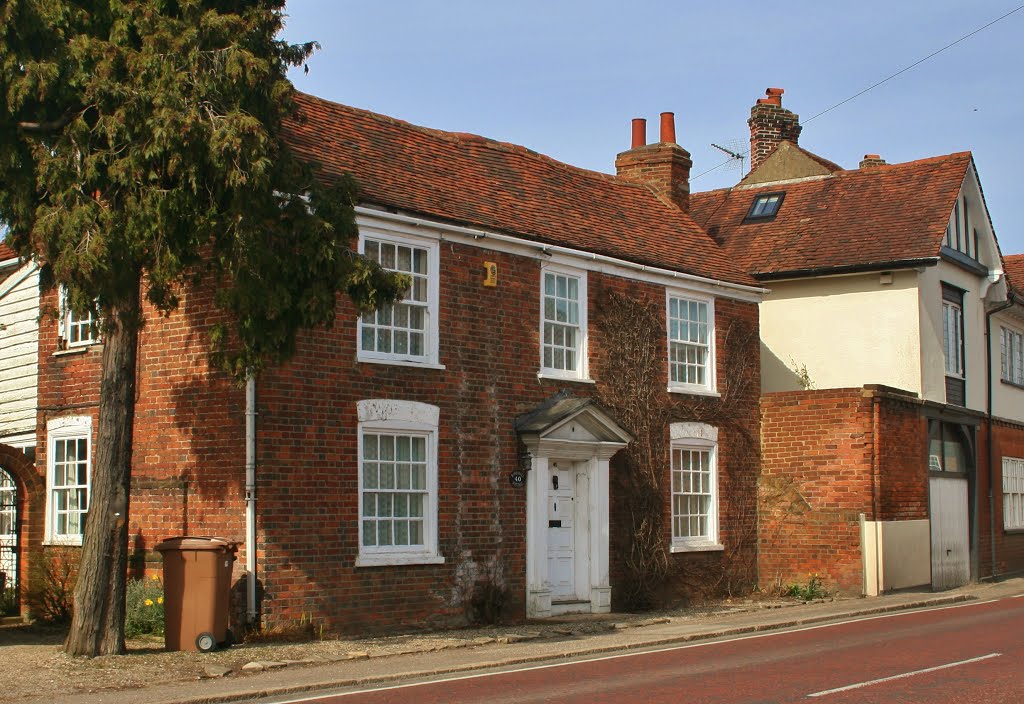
column 32, row 666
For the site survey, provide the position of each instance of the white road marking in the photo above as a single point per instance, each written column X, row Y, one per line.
column 904, row 675
column 636, row 653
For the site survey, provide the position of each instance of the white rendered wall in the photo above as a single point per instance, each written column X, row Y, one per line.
column 846, row 331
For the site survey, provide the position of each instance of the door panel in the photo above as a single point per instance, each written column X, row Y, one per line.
column 561, row 531
column 951, row 551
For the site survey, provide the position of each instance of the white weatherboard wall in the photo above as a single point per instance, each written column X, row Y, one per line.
column 19, row 355
column 846, row 331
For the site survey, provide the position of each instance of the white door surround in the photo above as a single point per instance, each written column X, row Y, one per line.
column 567, row 568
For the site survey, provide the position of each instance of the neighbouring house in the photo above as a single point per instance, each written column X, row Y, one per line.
column 893, row 408
column 563, row 410
column 19, row 346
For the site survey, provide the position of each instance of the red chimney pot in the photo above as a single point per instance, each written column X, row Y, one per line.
column 668, row 127
column 639, row 132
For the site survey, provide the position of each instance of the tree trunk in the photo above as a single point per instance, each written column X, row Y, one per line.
column 97, row 626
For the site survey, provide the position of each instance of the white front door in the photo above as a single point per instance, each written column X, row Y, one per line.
column 562, row 531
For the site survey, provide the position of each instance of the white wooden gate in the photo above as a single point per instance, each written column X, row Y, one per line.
column 951, row 551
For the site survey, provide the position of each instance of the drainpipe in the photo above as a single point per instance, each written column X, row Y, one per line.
column 250, row 499
column 876, row 499
column 988, row 431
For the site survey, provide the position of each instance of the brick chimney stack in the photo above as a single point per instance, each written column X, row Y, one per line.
column 663, row 166
column 872, row 160
column 770, row 123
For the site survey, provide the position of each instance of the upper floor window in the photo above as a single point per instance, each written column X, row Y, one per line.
column 398, row 483
column 960, row 236
column 405, row 331
column 765, row 206
column 694, row 451
column 1011, row 348
column 75, row 329
column 953, row 344
column 690, row 343
column 1013, row 493
column 563, row 322
column 68, row 475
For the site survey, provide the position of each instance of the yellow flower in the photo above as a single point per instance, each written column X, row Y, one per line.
column 159, row 600
column 155, row 578
column 149, row 602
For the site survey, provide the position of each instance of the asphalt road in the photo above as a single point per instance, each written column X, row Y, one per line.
column 968, row 653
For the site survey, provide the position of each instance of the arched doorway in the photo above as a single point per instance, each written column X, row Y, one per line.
column 22, row 506
column 8, row 534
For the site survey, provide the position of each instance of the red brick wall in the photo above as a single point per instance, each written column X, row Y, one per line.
column 189, row 472
column 823, row 466
column 1007, row 441
column 815, row 482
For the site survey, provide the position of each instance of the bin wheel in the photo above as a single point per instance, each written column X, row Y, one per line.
column 205, row 642
column 229, row 638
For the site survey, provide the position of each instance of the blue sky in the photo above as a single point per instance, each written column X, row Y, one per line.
column 565, row 77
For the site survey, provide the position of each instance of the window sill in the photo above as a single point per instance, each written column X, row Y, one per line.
column 1013, row 531
column 562, row 377
column 1012, row 383
column 63, row 542
column 697, row 547
column 390, row 560
column 400, row 363
column 77, row 349
column 694, row 391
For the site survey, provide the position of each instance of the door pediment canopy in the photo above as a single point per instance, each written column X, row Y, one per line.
column 569, row 420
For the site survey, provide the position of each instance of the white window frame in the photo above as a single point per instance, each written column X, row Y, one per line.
column 1013, row 493
column 382, row 416
column 1011, row 354
column 703, row 438
column 710, row 385
column 430, row 356
column 60, row 430
column 953, row 317
column 582, row 364
column 68, row 324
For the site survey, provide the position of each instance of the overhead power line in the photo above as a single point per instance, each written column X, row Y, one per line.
column 884, row 80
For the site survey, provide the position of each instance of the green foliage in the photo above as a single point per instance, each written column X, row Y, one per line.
column 141, row 142
column 9, row 601
column 814, row 589
column 144, row 607
column 52, row 580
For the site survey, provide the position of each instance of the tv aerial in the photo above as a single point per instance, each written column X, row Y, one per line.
column 733, row 151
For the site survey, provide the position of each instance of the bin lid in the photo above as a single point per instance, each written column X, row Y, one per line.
column 196, row 543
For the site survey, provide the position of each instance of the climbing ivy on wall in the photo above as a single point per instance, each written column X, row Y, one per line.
column 633, row 388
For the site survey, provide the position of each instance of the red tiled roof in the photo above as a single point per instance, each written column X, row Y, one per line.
column 849, row 219
column 6, row 252
column 1014, row 266
column 470, row 180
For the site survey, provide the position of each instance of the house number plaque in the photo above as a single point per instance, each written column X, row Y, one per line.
column 517, row 478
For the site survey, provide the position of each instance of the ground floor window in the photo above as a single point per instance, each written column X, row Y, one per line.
column 1013, row 493
column 694, row 451
column 397, row 482
column 68, row 475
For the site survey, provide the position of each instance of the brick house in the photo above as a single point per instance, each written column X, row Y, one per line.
column 377, row 479
column 893, row 410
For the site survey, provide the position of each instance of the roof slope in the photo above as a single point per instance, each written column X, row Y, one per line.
column 1014, row 266
column 6, row 252
column 850, row 219
column 470, row 180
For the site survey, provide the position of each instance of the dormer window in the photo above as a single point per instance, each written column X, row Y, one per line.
column 764, row 207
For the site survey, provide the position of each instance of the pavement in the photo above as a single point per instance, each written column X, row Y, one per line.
column 555, row 643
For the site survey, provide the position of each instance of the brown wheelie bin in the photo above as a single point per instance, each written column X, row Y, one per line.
column 197, row 592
